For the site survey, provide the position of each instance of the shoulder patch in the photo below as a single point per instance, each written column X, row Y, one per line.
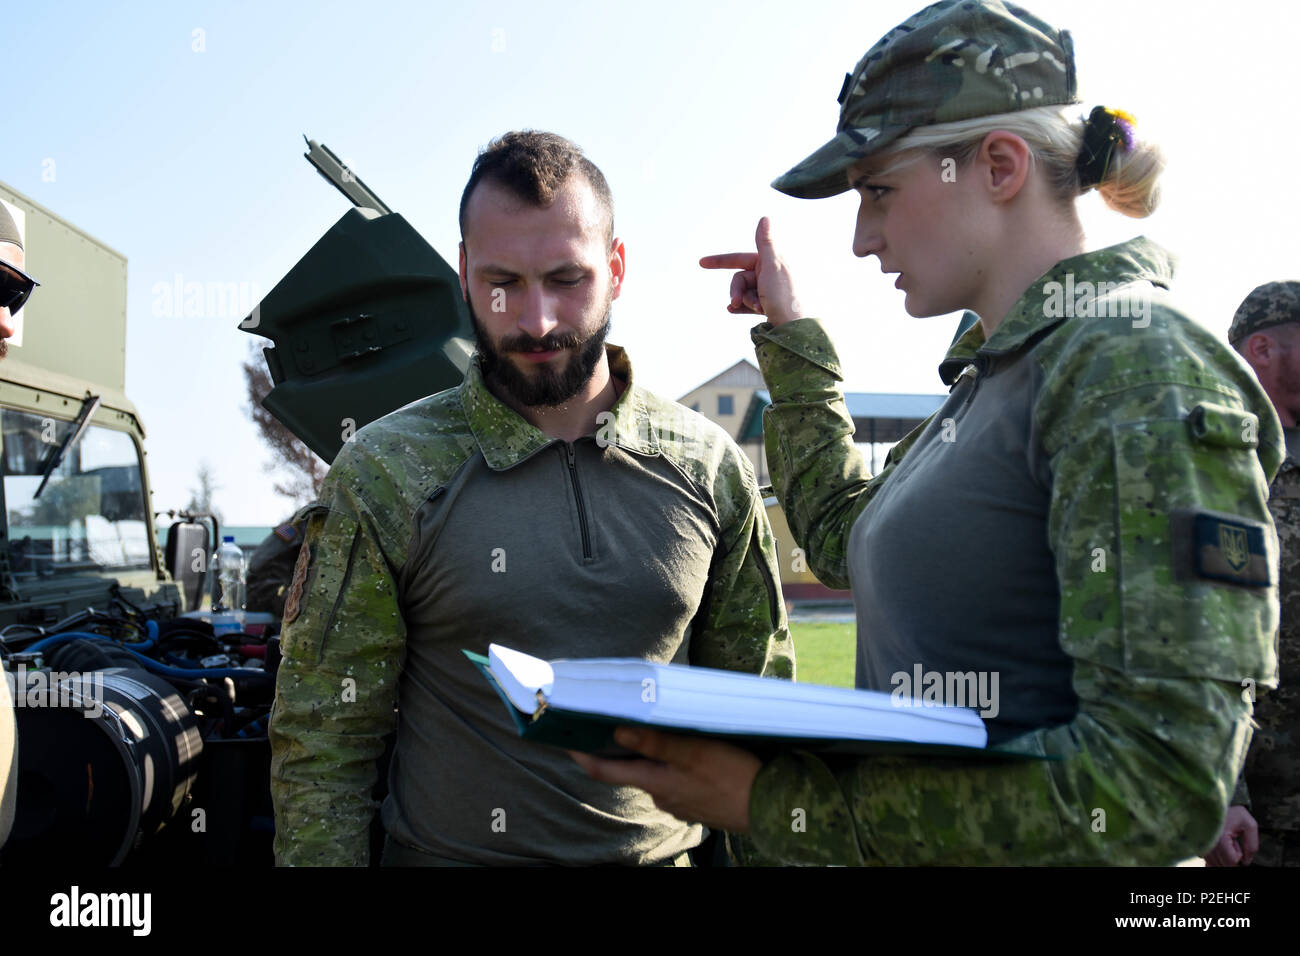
column 1219, row 547
column 287, row 532
column 293, row 600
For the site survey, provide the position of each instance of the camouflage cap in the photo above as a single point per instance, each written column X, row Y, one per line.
column 1273, row 303
column 954, row 60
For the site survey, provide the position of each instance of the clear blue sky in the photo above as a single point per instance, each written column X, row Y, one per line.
column 189, row 162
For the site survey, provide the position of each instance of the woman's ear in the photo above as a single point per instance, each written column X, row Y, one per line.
column 1004, row 160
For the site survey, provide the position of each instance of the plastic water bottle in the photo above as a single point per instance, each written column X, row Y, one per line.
column 230, row 577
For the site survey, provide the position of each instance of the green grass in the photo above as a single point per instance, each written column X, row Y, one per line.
column 824, row 652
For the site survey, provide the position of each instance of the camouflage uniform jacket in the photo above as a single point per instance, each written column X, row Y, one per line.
column 1273, row 765
column 668, row 555
column 1134, row 421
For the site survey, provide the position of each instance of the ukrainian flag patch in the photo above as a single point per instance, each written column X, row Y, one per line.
column 1229, row 549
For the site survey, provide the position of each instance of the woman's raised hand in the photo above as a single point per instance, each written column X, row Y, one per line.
column 763, row 286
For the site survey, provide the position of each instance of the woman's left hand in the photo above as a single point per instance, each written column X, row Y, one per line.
column 695, row 779
column 764, row 285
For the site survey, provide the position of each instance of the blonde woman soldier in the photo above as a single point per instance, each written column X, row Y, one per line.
column 1084, row 519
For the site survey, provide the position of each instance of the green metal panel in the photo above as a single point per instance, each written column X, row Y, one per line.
column 369, row 320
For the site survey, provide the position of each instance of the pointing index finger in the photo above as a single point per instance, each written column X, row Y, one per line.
column 730, row 260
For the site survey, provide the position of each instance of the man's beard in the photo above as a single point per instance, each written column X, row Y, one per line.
column 545, row 386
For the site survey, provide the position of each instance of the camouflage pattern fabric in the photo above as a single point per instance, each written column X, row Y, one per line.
column 270, row 568
column 1162, row 660
column 1273, row 303
column 953, row 60
column 344, row 623
column 1272, row 773
column 1278, row 848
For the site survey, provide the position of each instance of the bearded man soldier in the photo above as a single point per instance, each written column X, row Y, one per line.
column 498, row 511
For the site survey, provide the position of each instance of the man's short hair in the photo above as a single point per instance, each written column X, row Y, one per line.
column 1285, row 334
column 534, row 166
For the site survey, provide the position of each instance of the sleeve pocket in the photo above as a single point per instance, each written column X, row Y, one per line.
column 1177, row 622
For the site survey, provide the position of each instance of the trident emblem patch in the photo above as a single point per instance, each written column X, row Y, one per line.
column 1236, row 551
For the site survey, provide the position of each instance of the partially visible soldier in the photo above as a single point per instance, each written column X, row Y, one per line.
column 8, row 756
column 15, row 284
column 15, row 287
column 271, row 566
column 1264, row 819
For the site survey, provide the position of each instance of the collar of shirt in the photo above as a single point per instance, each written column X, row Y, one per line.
column 1138, row 259
column 507, row 438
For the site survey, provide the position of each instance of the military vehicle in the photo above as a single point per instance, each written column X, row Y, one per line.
column 142, row 733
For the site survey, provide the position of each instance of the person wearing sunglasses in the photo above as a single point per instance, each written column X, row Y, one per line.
column 15, row 285
column 15, row 288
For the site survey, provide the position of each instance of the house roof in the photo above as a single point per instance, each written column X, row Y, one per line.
column 877, row 416
column 744, row 374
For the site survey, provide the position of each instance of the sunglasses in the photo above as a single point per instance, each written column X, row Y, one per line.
column 15, row 287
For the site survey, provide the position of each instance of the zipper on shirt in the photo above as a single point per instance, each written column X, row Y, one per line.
column 981, row 365
column 582, row 511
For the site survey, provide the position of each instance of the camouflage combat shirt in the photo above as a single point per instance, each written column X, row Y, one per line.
column 1272, row 772
column 1144, row 446
column 453, row 523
